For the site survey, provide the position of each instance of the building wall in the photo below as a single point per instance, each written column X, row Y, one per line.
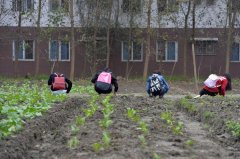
column 210, row 23
column 206, row 64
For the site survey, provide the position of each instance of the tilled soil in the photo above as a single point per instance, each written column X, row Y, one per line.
column 47, row 136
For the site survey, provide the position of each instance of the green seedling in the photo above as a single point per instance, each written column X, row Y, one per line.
column 156, row 156
column 143, row 127
column 88, row 112
column 175, row 126
column 74, row 129
column 189, row 143
column 106, row 139
column 73, row 142
column 177, row 129
column 142, row 140
column 97, row 146
column 132, row 114
column 80, row 121
column 105, row 123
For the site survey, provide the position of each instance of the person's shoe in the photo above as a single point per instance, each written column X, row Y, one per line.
column 150, row 95
column 160, row 96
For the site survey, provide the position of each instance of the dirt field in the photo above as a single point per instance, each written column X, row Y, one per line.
column 204, row 134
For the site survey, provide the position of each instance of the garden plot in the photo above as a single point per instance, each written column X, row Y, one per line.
column 127, row 126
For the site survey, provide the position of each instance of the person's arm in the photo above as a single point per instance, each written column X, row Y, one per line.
column 165, row 83
column 94, row 79
column 223, row 87
column 69, row 85
column 50, row 80
column 148, row 85
column 114, row 82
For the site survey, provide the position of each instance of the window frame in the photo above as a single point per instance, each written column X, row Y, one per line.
column 59, row 6
column 126, row 11
column 24, row 50
column 22, row 6
column 132, row 51
column 166, row 51
column 168, row 6
column 59, row 58
column 235, row 61
column 202, row 41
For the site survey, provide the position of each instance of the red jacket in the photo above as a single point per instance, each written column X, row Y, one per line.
column 220, row 88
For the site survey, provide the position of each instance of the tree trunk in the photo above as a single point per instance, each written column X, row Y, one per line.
column 38, row 37
column 231, row 22
column 186, row 39
column 97, row 16
column 19, row 38
column 148, row 52
column 193, row 46
column 72, row 70
column 108, row 33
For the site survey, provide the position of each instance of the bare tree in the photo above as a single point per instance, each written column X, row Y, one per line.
column 72, row 69
column 38, row 37
column 186, row 16
column 193, row 44
column 148, row 46
column 231, row 11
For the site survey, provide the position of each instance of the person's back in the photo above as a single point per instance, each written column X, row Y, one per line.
column 103, row 81
column 59, row 83
column 156, row 85
column 215, row 85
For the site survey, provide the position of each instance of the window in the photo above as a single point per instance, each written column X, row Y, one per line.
column 205, row 47
column 23, row 5
column 135, row 52
column 55, row 5
column 167, row 5
column 210, row 2
column 23, row 50
column 235, row 52
column 59, row 50
column 167, row 51
column 134, row 6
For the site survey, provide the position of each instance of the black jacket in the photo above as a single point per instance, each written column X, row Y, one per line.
column 113, row 82
column 68, row 82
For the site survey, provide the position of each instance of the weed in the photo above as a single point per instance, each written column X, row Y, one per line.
column 207, row 115
column 190, row 107
column 234, row 127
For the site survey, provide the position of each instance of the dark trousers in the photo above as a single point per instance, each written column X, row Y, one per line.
column 100, row 91
column 206, row 92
